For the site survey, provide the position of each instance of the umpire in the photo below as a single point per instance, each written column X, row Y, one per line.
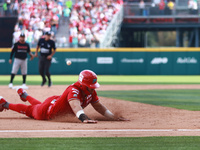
column 47, row 50
column 20, row 49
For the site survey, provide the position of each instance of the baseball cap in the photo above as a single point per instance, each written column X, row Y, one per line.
column 22, row 35
column 48, row 33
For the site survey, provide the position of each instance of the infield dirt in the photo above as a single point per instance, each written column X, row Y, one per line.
column 145, row 119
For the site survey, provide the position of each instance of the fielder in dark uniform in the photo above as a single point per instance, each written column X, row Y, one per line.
column 20, row 49
column 47, row 50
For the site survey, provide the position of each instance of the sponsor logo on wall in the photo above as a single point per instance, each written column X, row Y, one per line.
column 186, row 60
column 104, row 60
column 2, row 60
column 77, row 60
column 54, row 60
column 127, row 60
column 159, row 60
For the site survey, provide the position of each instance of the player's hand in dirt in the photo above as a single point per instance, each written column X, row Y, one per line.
column 122, row 119
column 89, row 121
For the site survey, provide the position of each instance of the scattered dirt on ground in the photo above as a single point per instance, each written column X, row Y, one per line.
column 145, row 119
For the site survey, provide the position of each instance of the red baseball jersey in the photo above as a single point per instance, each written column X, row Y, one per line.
column 60, row 105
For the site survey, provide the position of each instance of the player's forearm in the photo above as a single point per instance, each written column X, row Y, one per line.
column 11, row 54
column 75, row 105
column 109, row 114
column 106, row 112
column 78, row 111
column 37, row 48
column 53, row 53
column 100, row 108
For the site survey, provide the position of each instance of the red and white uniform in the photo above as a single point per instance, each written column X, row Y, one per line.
column 59, row 105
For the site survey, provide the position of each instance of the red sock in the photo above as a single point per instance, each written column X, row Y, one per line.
column 32, row 100
column 20, row 108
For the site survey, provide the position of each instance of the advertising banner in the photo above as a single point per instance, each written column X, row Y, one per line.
column 116, row 63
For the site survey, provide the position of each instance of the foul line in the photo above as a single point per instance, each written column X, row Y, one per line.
column 117, row 130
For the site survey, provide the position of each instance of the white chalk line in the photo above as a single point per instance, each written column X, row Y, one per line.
column 117, row 130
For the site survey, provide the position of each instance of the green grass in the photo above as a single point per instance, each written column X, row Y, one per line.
column 128, row 143
column 106, row 79
column 181, row 99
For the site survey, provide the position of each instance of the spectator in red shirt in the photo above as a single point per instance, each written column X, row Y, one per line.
column 162, row 7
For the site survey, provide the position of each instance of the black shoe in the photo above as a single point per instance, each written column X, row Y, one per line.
column 43, row 83
column 49, row 84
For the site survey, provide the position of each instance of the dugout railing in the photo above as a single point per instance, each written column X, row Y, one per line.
column 110, row 38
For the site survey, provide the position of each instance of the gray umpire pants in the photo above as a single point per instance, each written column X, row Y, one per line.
column 19, row 63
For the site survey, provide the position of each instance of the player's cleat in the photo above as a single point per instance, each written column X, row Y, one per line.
column 49, row 84
column 20, row 92
column 10, row 85
column 2, row 102
column 43, row 82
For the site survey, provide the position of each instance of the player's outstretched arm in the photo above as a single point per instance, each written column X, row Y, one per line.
column 77, row 109
column 99, row 107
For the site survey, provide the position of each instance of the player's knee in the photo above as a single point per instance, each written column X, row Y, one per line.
column 47, row 74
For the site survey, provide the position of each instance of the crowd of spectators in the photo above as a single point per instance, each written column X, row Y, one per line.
column 36, row 17
column 89, row 20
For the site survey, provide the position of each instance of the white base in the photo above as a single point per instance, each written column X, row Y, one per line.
column 23, row 87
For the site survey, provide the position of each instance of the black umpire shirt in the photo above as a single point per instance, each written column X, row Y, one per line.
column 46, row 47
column 20, row 50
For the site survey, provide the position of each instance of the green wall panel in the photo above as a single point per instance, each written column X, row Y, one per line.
column 117, row 63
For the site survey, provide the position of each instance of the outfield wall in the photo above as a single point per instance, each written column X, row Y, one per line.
column 123, row 61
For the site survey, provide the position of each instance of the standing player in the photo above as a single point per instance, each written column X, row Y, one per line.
column 20, row 49
column 74, row 99
column 47, row 50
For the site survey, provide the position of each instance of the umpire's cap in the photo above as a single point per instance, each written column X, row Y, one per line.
column 48, row 33
column 22, row 35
